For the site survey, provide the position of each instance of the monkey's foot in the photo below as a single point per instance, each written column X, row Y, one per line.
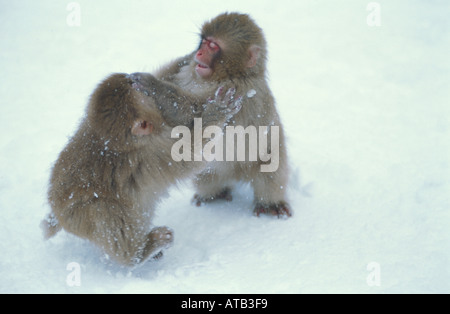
column 158, row 256
column 281, row 210
column 225, row 194
column 158, row 239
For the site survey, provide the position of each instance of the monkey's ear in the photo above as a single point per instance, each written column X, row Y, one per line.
column 253, row 52
column 141, row 128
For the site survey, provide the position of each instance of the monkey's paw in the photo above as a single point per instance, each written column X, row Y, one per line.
column 143, row 82
column 158, row 239
column 228, row 103
column 161, row 236
column 281, row 210
column 225, row 194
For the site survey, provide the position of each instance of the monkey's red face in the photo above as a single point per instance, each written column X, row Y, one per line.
column 209, row 50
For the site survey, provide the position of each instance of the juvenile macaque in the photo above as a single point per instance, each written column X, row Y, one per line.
column 232, row 52
column 108, row 179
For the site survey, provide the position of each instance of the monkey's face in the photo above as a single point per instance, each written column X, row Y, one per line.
column 231, row 46
column 209, row 50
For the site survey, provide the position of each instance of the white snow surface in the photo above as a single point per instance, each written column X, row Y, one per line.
column 366, row 111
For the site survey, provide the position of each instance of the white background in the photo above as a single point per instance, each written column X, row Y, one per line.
column 367, row 116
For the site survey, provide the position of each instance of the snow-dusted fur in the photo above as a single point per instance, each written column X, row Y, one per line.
column 107, row 181
column 366, row 117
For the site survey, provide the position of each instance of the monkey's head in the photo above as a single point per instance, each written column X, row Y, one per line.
column 119, row 114
column 232, row 46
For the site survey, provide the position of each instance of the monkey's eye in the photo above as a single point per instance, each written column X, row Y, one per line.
column 213, row 46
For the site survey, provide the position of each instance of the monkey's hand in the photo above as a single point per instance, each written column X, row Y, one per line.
column 144, row 83
column 178, row 107
column 227, row 103
column 165, row 93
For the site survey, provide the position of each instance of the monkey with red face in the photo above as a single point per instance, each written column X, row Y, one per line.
column 232, row 52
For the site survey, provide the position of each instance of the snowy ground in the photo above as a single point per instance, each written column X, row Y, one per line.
column 366, row 111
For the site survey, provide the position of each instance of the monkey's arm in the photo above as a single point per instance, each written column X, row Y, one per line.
column 167, row 72
column 179, row 107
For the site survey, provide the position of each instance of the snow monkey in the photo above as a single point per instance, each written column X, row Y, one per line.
column 108, row 179
column 232, row 51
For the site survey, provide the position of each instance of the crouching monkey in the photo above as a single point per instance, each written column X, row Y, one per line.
column 107, row 181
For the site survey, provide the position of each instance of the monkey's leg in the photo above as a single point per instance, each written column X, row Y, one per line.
column 123, row 236
column 225, row 194
column 210, row 187
column 130, row 248
column 270, row 190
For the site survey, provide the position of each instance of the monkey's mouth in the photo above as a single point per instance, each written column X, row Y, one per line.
column 203, row 66
column 203, row 70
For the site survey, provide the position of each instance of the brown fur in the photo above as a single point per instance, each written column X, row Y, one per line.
column 242, row 38
column 108, row 179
